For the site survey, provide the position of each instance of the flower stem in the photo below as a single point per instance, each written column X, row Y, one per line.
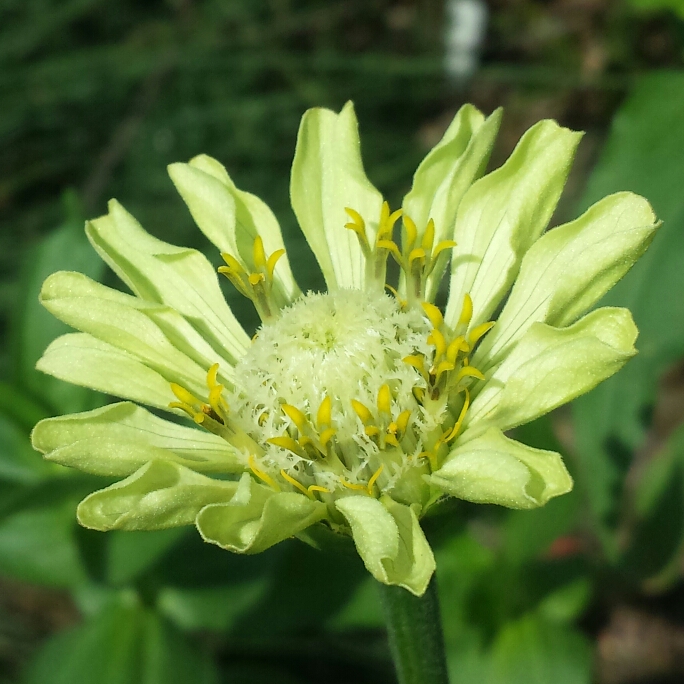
column 414, row 628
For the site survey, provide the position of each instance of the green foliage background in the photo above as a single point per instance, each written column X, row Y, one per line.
column 97, row 96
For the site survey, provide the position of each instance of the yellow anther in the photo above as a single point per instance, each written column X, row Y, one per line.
column 324, row 415
column 261, row 474
column 327, row 435
column 199, row 417
column 411, row 233
column 392, row 428
column 353, row 485
column 296, row 416
column 479, row 331
column 296, row 484
column 259, row 254
column 441, row 246
column 183, row 407
column 428, row 236
column 434, row 314
column 272, row 261
column 358, row 225
column 372, row 430
column 415, row 254
column 256, row 278
column 184, row 396
column 286, row 442
column 318, row 488
column 436, row 339
column 373, row 479
column 232, row 263
column 457, row 427
column 469, row 372
column 391, row 246
column 466, row 310
column 402, row 302
column 402, row 421
column 216, row 400
column 443, row 367
column 385, row 399
column 391, row 439
column 263, row 417
column 212, row 375
column 361, row 411
column 458, row 344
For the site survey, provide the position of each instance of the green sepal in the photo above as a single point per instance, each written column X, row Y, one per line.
column 161, row 494
column 257, row 518
column 390, row 541
column 494, row 469
column 118, row 439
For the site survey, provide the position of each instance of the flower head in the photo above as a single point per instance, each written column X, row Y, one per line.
column 354, row 410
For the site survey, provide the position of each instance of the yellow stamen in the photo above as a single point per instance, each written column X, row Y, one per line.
column 256, row 278
column 318, row 488
column 428, row 236
column 296, row 484
column 441, row 246
column 272, row 261
column 469, row 372
column 455, row 430
column 384, row 399
column 434, row 314
column 258, row 254
column 411, row 233
column 184, row 396
column 324, row 415
column 327, row 435
column 296, row 416
column 261, row 474
column 466, row 310
column 437, row 339
column 479, row 331
column 402, row 421
column 353, row 485
column 361, row 411
column 373, row 479
column 288, row 443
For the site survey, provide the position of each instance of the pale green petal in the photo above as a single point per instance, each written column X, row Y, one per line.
column 495, row 469
column 503, row 214
column 445, row 174
column 112, row 319
column 570, row 268
column 118, row 439
column 81, row 359
column 159, row 495
column 164, row 274
column 390, row 541
column 232, row 218
column 327, row 176
column 550, row 366
column 257, row 518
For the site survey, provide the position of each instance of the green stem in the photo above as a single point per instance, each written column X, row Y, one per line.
column 414, row 628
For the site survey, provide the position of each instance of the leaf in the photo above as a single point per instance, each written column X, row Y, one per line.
column 645, row 154
column 34, row 328
column 121, row 645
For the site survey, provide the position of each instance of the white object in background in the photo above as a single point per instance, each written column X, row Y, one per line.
column 465, row 30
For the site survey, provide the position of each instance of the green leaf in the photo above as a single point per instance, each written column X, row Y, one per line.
column 123, row 644
column 534, row 651
column 34, row 328
column 645, row 154
column 38, row 544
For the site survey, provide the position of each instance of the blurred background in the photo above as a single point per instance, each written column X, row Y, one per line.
column 98, row 96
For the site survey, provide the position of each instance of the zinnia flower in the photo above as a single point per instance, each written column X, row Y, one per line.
column 356, row 410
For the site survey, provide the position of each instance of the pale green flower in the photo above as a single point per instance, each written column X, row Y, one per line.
column 355, row 410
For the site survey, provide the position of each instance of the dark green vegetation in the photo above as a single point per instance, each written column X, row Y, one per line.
column 96, row 97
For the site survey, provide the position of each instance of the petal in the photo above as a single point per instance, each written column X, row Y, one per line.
column 164, row 274
column 501, row 216
column 159, row 495
column 118, row 439
column 498, row 470
column 327, row 176
column 445, row 174
column 257, row 518
column 112, row 320
column 232, row 218
column 390, row 541
column 551, row 366
column 570, row 268
column 65, row 285
column 81, row 359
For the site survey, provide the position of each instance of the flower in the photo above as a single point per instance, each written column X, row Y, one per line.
column 356, row 410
